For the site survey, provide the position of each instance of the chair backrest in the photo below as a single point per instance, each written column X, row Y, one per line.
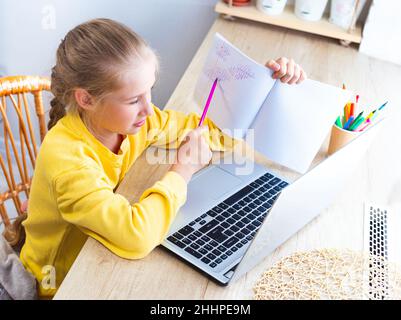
column 20, row 153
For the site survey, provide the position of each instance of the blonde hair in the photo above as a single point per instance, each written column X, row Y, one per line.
column 93, row 56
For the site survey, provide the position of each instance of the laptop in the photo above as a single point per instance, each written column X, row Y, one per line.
column 231, row 222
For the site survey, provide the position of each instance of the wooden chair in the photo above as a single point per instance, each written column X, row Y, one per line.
column 15, row 92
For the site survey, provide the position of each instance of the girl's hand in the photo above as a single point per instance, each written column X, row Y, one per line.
column 286, row 70
column 193, row 154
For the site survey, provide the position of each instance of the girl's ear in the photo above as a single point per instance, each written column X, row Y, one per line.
column 83, row 99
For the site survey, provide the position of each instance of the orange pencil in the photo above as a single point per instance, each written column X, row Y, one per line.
column 346, row 112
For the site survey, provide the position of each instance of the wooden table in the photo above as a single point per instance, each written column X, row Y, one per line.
column 99, row 274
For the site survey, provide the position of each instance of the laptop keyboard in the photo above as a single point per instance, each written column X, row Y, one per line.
column 221, row 231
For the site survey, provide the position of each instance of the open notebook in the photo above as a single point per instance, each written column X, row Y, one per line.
column 289, row 122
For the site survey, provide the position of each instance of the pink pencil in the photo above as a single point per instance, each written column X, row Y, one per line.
column 367, row 123
column 209, row 99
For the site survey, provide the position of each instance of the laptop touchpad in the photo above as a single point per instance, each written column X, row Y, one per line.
column 215, row 182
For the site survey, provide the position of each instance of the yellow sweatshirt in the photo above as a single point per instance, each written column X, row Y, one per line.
column 72, row 195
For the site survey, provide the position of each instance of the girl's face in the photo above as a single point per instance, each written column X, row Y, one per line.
column 125, row 110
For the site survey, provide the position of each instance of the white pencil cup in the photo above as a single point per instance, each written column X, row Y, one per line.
column 311, row 10
column 271, row 7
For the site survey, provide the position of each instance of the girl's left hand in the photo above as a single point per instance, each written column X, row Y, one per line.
column 286, row 70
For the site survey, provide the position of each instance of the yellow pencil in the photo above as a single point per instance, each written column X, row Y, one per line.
column 347, row 111
column 369, row 116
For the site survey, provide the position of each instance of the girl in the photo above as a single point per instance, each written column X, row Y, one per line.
column 101, row 120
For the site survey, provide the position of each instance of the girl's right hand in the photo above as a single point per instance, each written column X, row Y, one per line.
column 193, row 154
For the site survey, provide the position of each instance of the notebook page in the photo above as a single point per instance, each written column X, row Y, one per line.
column 294, row 121
column 241, row 89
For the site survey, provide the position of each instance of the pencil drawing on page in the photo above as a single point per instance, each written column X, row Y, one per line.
column 232, row 72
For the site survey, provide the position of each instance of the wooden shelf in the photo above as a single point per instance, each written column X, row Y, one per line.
column 289, row 20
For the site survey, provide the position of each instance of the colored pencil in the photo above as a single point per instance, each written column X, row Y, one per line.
column 370, row 115
column 364, row 127
column 209, row 99
column 356, row 124
column 376, row 112
column 338, row 122
column 352, row 108
column 346, row 112
column 358, row 116
column 383, row 105
column 356, row 103
column 351, row 118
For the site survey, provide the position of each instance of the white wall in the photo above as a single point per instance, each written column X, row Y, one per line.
column 382, row 32
column 30, row 32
